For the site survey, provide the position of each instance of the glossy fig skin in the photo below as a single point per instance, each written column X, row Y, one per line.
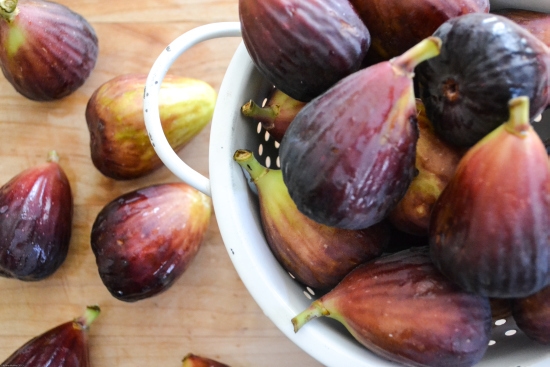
column 36, row 213
column 303, row 47
column 119, row 144
column 537, row 23
column 48, row 50
column 402, row 308
column 193, row 360
column 144, row 240
column 485, row 60
column 65, row 345
column 532, row 315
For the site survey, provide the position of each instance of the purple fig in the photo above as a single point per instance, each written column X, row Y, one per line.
column 532, row 315
column 193, row 360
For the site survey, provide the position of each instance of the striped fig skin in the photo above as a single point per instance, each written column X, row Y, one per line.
column 303, row 47
column 48, row 51
column 532, row 315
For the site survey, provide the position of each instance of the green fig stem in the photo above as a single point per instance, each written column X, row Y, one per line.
column 422, row 51
column 315, row 310
column 91, row 313
column 245, row 158
column 269, row 113
column 518, row 123
column 53, row 156
column 8, row 9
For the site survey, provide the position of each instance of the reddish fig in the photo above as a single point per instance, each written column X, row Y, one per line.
column 193, row 360
column 538, row 23
column 144, row 240
column 36, row 213
column 532, row 315
column 402, row 308
column 47, row 51
column 316, row 255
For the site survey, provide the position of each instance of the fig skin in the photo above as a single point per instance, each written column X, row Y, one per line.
column 532, row 315
column 303, row 47
column 402, row 308
column 193, row 360
column 65, row 345
column 318, row 256
column 538, row 23
column 347, row 165
column 144, row 240
column 36, row 213
column 485, row 60
column 490, row 227
column 47, row 50
column 119, row 143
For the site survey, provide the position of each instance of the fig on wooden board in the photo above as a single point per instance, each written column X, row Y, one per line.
column 144, row 240
column 538, row 23
column 47, row 51
column 36, row 214
column 193, row 360
column 119, row 143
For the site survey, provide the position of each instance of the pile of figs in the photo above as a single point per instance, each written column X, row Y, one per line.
column 412, row 189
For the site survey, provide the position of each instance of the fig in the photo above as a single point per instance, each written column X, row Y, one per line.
column 538, row 23
column 277, row 113
column 532, row 315
column 347, row 165
column 119, row 143
column 193, row 360
column 436, row 162
column 403, row 309
column 36, row 214
column 490, row 227
column 144, row 240
column 65, row 345
column 47, row 51
column 318, row 256
column 303, row 47
column 485, row 60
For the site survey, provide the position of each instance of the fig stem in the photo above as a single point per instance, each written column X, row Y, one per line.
column 422, row 51
column 245, row 158
column 53, row 156
column 518, row 123
column 316, row 309
column 91, row 313
column 251, row 109
column 8, row 9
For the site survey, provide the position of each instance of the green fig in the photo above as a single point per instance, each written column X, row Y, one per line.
column 193, row 360
column 318, row 256
column 532, row 315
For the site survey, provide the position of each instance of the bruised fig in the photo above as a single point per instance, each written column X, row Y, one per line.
column 348, row 156
column 490, row 227
column 538, row 23
column 316, row 255
column 36, row 213
column 65, row 345
column 47, row 51
column 402, row 308
column 532, row 315
column 119, row 143
column 193, row 360
column 144, row 240
column 303, row 47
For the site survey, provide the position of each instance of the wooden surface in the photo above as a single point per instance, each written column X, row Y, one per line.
column 208, row 311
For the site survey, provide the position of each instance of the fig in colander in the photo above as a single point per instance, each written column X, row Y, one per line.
column 65, row 345
column 119, row 143
column 532, row 315
column 403, row 309
column 485, row 60
column 303, row 47
column 490, row 227
column 348, row 156
column 36, row 214
column 538, row 23
column 47, row 51
column 316, row 255
column 144, row 240
column 193, row 360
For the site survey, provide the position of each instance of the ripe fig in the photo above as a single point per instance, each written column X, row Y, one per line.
column 532, row 315
column 65, row 345
column 436, row 162
column 348, row 164
column 490, row 227
column 119, row 144
column 319, row 256
column 193, row 360
column 144, row 240
column 485, row 60
column 47, row 51
column 277, row 113
column 402, row 308
column 538, row 23
column 36, row 214
column 303, row 47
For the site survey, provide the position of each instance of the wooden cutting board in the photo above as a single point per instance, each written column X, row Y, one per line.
column 208, row 311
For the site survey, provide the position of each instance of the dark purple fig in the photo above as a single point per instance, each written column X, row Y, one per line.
column 402, row 308
column 318, row 256
column 303, row 47
column 277, row 113
column 36, row 214
column 532, row 315
column 538, row 23
column 47, row 51
column 144, row 240
column 397, row 25
column 193, row 360
column 65, row 345
column 485, row 60
column 490, row 227
column 348, row 156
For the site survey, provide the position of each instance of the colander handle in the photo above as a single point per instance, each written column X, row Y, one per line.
column 151, row 92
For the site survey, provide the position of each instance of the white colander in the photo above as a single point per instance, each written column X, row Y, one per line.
column 236, row 207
